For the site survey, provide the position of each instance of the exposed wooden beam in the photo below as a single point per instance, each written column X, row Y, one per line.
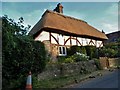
column 101, row 44
column 70, row 38
column 76, row 41
column 55, row 39
column 70, row 41
column 91, row 42
column 79, row 42
column 66, row 41
column 50, row 37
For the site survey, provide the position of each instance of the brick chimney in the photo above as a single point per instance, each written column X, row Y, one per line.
column 59, row 8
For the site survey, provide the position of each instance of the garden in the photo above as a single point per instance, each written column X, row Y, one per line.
column 77, row 64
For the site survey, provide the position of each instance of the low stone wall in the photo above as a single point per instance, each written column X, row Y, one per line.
column 109, row 62
column 104, row 62
column 113, row 62
column 67, row 69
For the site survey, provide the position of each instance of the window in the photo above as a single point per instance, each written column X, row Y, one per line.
column 62, row 51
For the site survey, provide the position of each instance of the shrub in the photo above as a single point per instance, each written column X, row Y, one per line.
column 107, row 52
column 82, row 49
column 76, row 58
column 114, row 46
column 20, row 54
column 61, row 59
column 69, row 60
column 80, row 57
column 91, row 51
column 97, row 63
column 72, row 50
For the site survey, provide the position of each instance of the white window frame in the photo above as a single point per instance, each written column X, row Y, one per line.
column 63, row 53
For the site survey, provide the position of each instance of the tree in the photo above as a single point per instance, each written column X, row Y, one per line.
column 20, row 54
column 107, row 52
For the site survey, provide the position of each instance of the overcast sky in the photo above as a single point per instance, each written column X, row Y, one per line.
column 101, row 15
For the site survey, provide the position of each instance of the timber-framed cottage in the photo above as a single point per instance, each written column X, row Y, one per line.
column 58, row 32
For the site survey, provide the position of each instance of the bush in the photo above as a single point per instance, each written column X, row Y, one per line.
column 97, row 63
column 80, row 57
column 91, row 51
column 113, row 46
column 72, row 50
column 61, row 59
column 69, row 60
column 76, row 58
column 20, row 54
column 107, row 52
column 19, row 60
column 82, row 50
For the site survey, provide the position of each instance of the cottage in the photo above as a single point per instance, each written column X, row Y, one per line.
column 59, row 32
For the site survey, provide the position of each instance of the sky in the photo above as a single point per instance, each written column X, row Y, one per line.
column 101, row 15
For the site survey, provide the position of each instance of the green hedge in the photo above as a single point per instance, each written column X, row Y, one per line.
column 90, row 51
column 110, row 50
column 20, row 54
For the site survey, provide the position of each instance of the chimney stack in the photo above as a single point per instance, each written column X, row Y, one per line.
column 59, row 8
column 103, row 31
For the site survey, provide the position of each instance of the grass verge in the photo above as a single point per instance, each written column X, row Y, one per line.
column 60, row 82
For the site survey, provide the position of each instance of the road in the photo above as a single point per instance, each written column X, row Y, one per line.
column 109, row 80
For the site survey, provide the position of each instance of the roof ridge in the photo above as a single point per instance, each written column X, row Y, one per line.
column 113, row 32
column 50, row 11
column 51, row 20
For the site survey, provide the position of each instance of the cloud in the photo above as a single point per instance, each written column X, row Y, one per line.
column 109, row 19
column 30, row 18
column 112, row 18
column 110, row 27
column 51, row 6
column 33, row 17
column 113, row 9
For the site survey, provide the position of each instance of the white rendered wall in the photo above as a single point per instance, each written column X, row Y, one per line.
column 68, row 42
column 99, row 44
column 61, row 38
column 42, row 36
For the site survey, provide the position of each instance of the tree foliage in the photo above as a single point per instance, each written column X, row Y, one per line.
column 111, row 49
column 20, row 54
column 90, row 51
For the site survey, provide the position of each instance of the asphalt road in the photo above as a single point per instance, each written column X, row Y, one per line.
column 109, row 80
